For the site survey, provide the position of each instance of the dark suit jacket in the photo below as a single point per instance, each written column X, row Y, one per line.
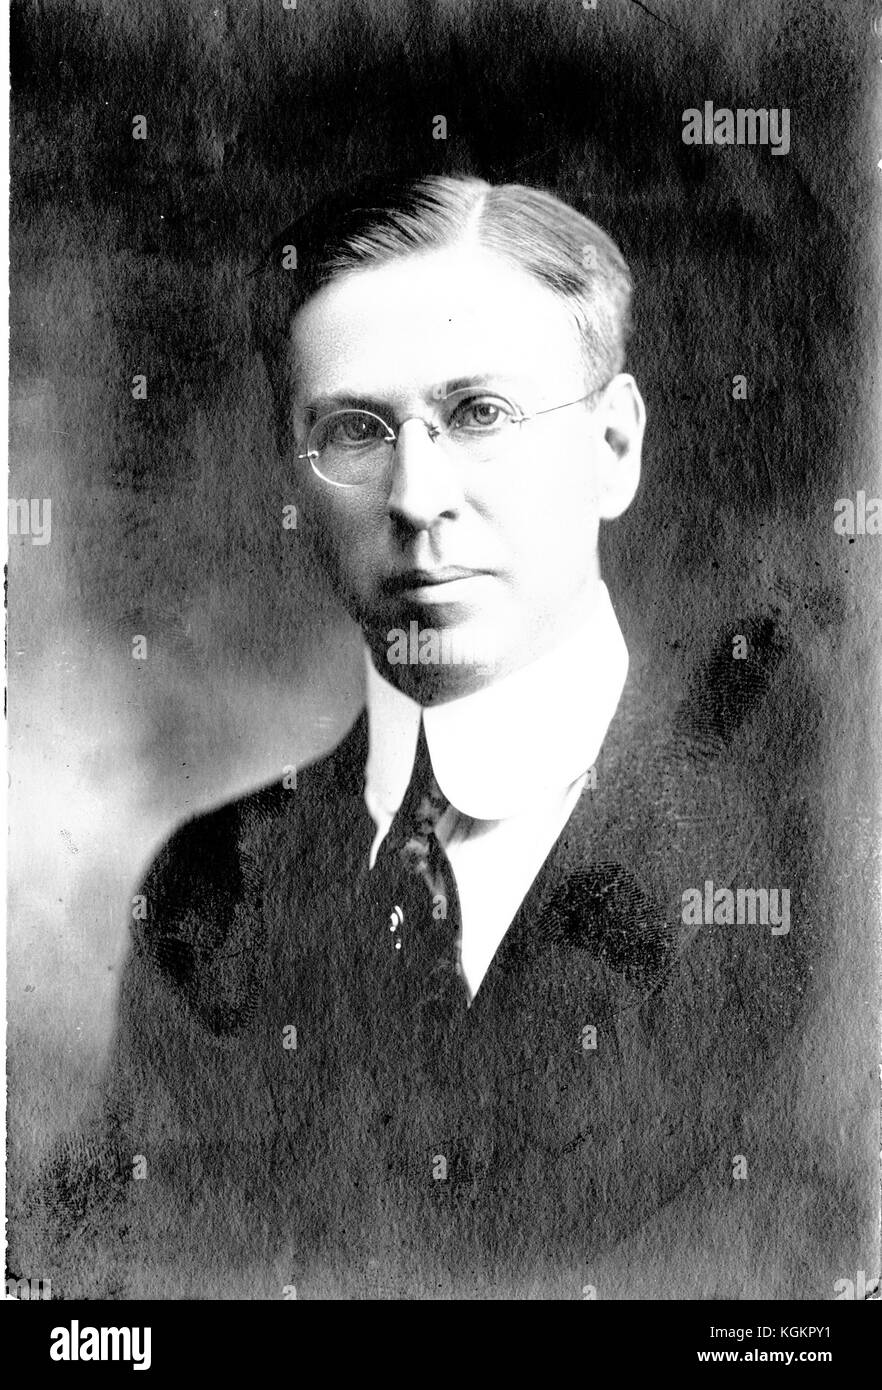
column 226, row 1163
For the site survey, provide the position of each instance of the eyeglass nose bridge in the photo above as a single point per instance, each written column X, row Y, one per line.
column 433, row 430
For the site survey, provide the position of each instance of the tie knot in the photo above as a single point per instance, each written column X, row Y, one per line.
column 424, row 797
column 423, row 805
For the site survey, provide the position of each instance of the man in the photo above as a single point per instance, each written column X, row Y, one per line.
column 436, row 1020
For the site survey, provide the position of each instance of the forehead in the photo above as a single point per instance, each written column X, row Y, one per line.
column 431, row 318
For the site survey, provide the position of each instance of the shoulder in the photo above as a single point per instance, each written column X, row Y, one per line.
column 726, row 696
column 220, row 846
column 713, row 752
column 200, row 917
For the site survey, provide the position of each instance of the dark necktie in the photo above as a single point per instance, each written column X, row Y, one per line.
column 417, row 891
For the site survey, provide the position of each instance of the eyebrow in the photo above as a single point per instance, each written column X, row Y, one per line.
column 344, row 400
column 321, row 405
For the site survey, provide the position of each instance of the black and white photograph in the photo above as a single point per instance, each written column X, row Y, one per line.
column 443, row 646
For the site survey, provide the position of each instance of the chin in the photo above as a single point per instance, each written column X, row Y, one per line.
column 430, row 660
column 434, row 685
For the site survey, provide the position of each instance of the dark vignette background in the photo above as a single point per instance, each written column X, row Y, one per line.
column 132, row 257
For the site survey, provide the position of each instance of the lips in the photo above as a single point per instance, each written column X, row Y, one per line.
column 428, row 579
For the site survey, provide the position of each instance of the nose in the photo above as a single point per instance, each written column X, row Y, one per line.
column 425, row 485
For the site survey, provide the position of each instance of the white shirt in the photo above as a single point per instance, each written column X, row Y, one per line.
column 511, row 759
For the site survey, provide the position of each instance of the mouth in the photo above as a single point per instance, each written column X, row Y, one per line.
column 432, row 585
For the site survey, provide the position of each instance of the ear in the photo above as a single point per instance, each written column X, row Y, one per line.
column 621, row 419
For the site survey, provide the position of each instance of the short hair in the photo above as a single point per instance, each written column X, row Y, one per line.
column 528, row 227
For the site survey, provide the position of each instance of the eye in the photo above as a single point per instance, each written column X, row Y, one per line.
column 349, row 429
column 480, row 414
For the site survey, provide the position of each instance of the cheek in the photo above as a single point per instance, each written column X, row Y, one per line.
column 546, row 518
column 348, row 534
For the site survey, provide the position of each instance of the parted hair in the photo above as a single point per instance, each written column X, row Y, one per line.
column 526, row 226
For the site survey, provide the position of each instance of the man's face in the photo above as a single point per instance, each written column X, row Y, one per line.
column 501, row 553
